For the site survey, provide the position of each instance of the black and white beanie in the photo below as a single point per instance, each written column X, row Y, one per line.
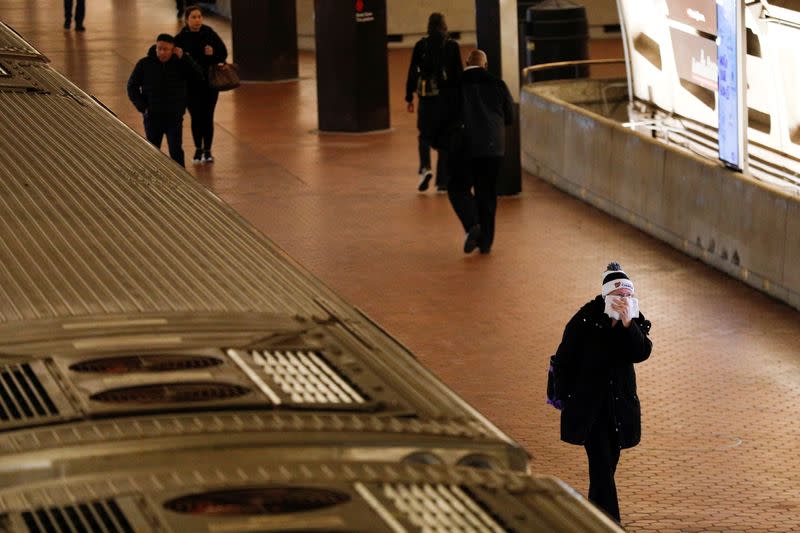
column 614, row 278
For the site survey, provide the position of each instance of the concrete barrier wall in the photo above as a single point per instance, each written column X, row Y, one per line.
column 743, row 227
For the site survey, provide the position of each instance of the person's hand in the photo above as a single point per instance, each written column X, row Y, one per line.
column 410, row 107
column 178, row 51
column 620, row 305
column 208, row 50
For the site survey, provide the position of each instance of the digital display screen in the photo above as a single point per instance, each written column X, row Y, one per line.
column 731, row 131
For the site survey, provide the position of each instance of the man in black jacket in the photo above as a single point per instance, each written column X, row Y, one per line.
column 596, row 381
column 157, row 87
column 486, row 109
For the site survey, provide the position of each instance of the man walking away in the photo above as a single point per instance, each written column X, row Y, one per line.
column 486, row 109
column 157, row 87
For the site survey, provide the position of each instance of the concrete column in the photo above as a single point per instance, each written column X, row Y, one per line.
column 496, row 24
column 265, row 39
column 352, row 65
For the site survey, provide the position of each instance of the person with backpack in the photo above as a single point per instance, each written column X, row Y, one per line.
column 595, row 383
column 434, row 73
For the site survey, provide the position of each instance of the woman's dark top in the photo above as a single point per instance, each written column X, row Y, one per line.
column 194, row 43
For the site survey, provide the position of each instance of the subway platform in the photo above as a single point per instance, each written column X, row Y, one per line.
column 720, row 394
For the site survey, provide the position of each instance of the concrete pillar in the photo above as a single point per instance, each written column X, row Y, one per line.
column 352, row 65
column 265, row 39
column 497, row 28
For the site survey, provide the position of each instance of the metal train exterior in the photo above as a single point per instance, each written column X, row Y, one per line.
column 165, row 367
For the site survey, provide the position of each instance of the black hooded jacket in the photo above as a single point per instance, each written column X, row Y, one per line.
column 595, row 362
column 158, row 87
column 195, row 42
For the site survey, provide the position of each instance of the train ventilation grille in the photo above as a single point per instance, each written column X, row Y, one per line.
column 257, row 501
column 432, row 507
column 22, row 395
column 103, row 516
column 145, row 363
column 306, row 377
column 172, row 393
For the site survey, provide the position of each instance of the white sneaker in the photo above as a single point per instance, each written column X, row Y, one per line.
column 425, row 176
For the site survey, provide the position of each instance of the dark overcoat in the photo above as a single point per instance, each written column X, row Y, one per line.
column 595, row 372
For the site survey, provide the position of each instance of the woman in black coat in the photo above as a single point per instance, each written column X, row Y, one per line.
column 597, row 383
column 206, row 48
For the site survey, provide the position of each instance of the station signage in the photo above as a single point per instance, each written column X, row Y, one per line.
column 699, row 14
column 695, row 58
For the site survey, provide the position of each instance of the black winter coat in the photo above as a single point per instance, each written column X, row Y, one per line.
column 194, row 42
column 487, row 108
column 159, row 87
column 595, row 364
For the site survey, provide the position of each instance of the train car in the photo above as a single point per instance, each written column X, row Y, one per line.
column 148, row 333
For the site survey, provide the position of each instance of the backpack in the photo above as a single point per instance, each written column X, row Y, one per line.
column 553, row 395
column 431, row 70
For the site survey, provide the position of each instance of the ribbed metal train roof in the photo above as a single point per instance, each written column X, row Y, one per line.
column 11, row 44
column 104, row 223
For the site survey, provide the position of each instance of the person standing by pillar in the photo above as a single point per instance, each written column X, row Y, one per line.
column 80, row 12
column 206, row 48
column 486, row 110
column 596, row 382
column 181, row 6
column 435, row 67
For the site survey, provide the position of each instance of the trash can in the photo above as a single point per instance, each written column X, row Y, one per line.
column 558, row 31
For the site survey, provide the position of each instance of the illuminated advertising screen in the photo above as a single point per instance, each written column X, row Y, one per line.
column 730, row 97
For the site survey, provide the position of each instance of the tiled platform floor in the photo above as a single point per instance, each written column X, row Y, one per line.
column 721, row 393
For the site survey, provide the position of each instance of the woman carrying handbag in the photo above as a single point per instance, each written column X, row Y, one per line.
column 207, row 49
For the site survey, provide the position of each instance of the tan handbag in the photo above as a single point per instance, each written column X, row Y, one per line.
column 223, row 76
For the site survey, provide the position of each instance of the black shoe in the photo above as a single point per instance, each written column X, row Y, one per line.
column 485, row 249
column 80, row 28
column 67, row 24
column 198, row 156
column 471, row 241
column 441, row 189
column 207, row 157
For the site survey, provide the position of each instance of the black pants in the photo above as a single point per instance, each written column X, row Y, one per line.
column 442, row 171
column 156, row 125
column 180, row 4
column 80, row 11
column 603, row 450
column 480, row 207
column 428, row 122
column 202, row 102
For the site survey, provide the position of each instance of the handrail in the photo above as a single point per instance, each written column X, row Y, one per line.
column 572, row 63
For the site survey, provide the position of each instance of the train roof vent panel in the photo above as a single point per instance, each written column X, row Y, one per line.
column 257, row 501
column 145, row 363
column 438, row 506
column 25, row 397
column 179, row 392
column 102, row 516
column 302, row 378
